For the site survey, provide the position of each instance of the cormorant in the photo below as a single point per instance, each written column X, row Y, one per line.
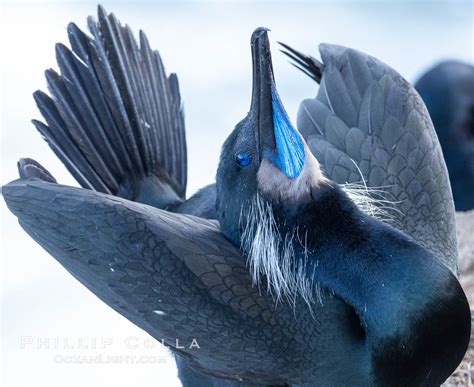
column 294, row 284
column 448, row 92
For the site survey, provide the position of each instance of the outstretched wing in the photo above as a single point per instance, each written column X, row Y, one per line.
column 114, row 117
column 367, row 120
column 175, row 276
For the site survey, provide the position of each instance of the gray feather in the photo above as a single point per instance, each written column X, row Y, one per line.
column 366, row 114
column 115, row 118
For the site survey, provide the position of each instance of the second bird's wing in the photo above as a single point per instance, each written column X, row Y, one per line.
column 368, row 123
column 448, row 92
column 114, row 117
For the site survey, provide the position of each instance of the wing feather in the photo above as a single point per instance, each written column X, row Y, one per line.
column 367, row 120
column 175, row 276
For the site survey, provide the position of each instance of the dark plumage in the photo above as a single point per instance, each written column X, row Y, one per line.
column 448, row 92
column 362, row 302
column 114, row 131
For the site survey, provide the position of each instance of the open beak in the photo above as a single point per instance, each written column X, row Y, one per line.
column 276, row 139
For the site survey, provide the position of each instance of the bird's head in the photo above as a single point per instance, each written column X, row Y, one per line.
column 264, row 154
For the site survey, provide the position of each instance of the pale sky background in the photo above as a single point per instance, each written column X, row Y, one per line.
column 207, row 45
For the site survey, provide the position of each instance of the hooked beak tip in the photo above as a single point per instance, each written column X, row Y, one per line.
column 257, row 34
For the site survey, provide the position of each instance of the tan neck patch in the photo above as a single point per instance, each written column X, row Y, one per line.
column 275, row 183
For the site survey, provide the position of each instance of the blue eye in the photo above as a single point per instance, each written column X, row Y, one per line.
column 243, row 159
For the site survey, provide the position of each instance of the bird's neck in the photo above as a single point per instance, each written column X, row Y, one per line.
column 413, row 310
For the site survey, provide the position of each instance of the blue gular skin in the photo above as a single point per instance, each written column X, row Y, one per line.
column 289, row 155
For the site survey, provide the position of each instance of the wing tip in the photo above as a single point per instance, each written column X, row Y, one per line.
column 39, row 96
column 101, row 12
column 29, row 168
column 61, row 49
column 14, row 194
column 310, row 66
